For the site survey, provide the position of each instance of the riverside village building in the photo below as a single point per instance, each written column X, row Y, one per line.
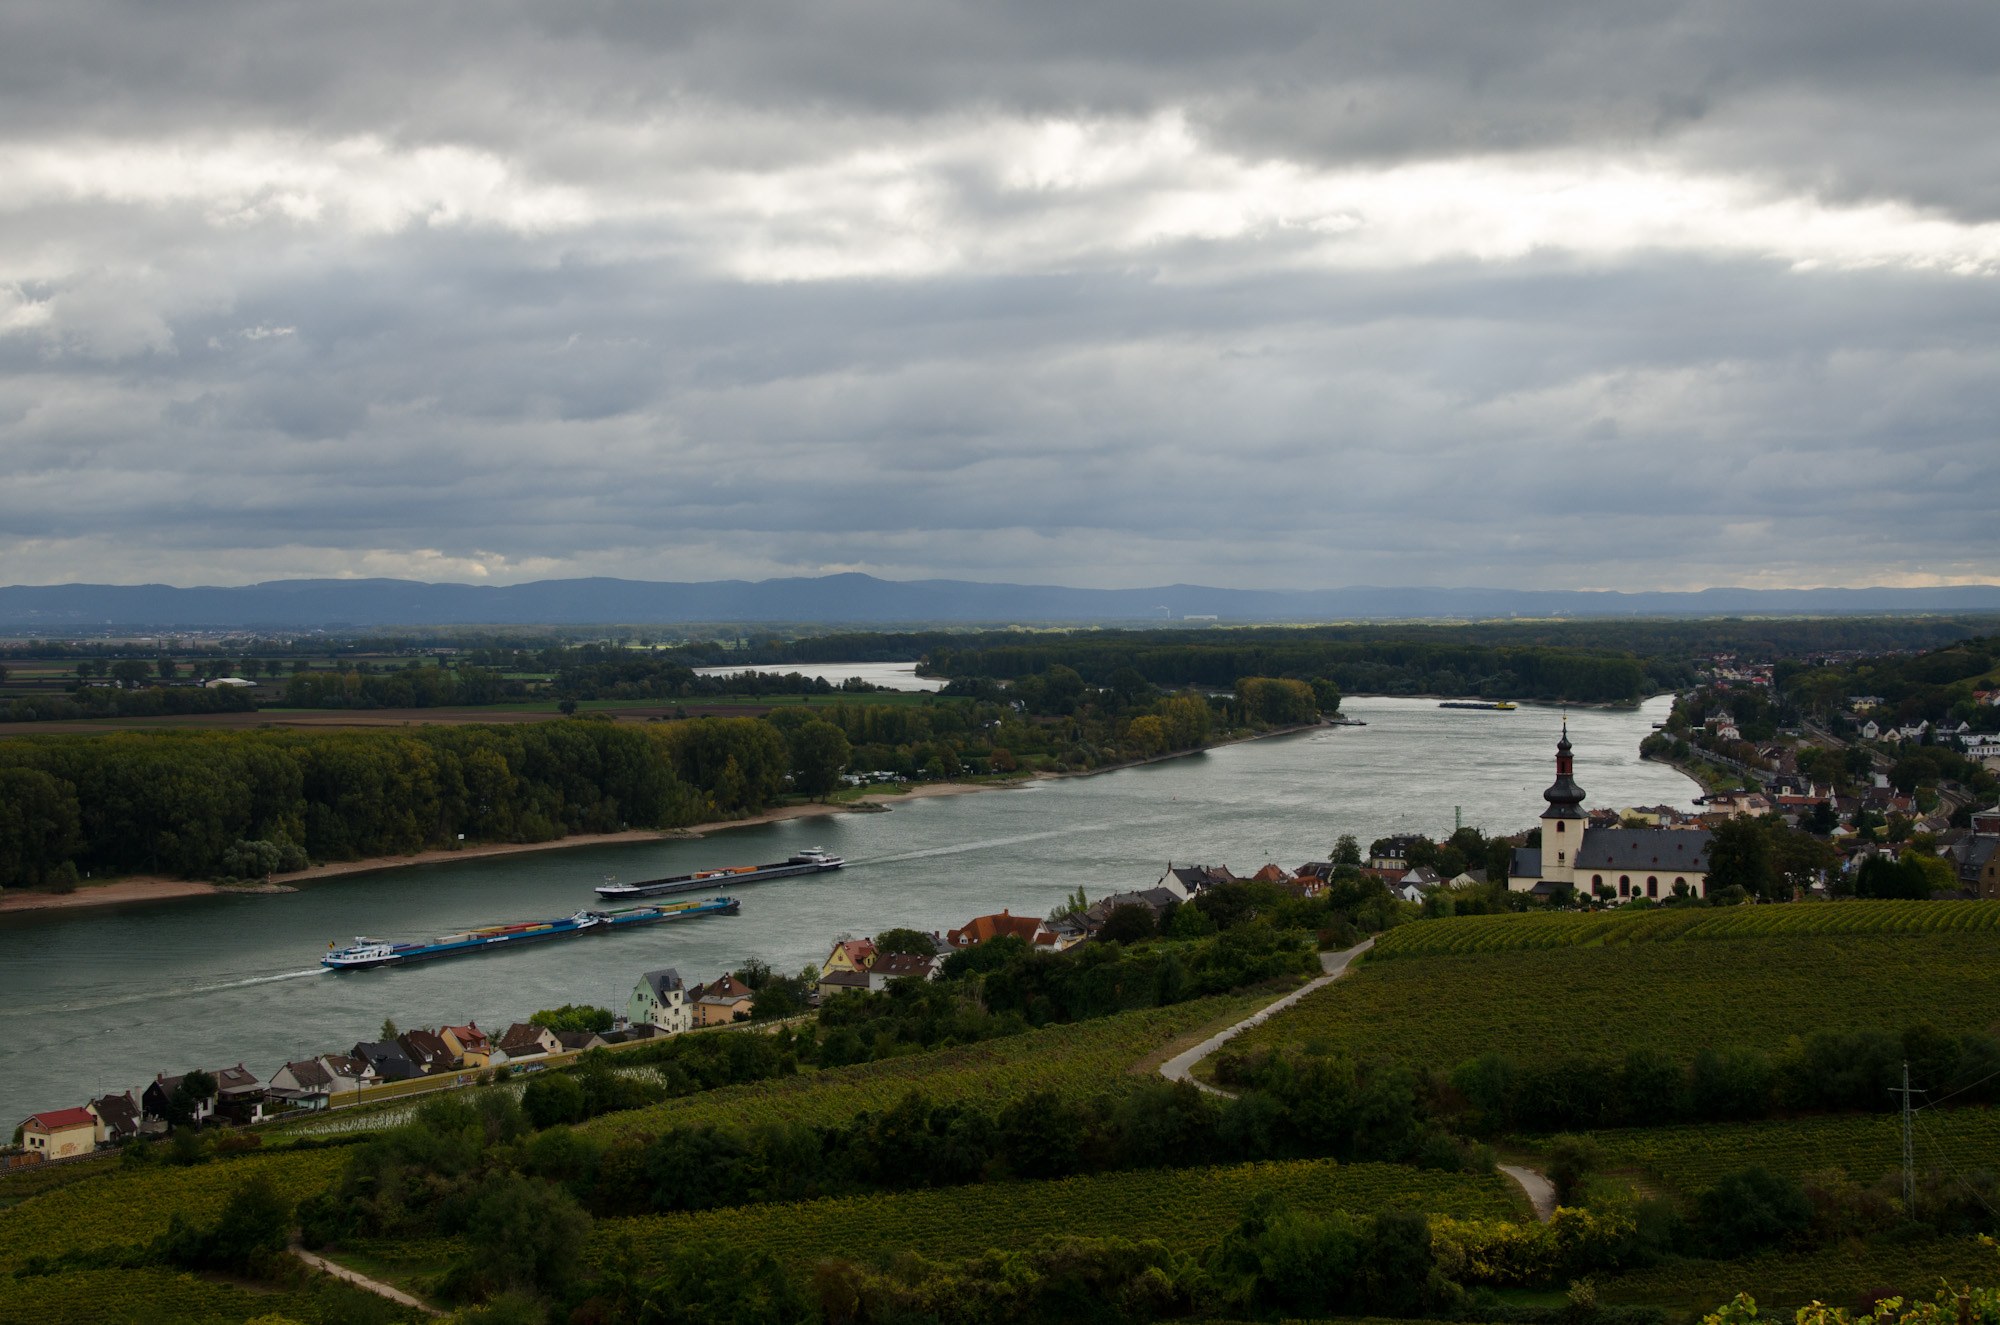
column 1613, row 863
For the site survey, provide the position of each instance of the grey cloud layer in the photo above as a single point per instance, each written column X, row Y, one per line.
column 293, row 290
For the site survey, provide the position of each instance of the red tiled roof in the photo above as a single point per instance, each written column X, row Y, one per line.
column 61, row 1120
column 981, row 928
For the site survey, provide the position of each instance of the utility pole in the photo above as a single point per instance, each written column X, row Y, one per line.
column 1909, row 1145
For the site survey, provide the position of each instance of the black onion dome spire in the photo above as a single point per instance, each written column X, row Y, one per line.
column 1564, row 793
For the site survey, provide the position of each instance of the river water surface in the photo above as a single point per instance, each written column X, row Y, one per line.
column 95, row 1000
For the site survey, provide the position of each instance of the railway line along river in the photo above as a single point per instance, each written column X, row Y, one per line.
column 99, row 999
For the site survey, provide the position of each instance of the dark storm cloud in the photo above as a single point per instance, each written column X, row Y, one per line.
column 1283, row 294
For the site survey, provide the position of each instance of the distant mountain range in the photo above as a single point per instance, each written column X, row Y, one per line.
column 863, row 599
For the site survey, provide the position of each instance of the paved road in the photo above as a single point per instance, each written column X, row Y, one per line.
column 1181, row 1066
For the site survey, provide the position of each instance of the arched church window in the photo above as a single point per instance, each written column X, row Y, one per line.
column 1596, row 879
column 1560, row 825
column 1624, row 884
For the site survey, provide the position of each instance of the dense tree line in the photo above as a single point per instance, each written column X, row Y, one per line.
column 1380, row 666
column 416, row 686
column 111, row 702
column 1853, row 1070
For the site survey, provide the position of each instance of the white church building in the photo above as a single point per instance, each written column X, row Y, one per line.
column 1614, row 863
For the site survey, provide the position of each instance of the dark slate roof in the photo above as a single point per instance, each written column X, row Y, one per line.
column 1978, row 850
column 387, row 1058
column 118, row 1113
column 663, row 982
column 1645, row 849
column 1525, row 864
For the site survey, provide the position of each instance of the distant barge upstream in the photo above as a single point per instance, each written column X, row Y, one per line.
column 1500, row 706
column 368, row 953
column 813, row 860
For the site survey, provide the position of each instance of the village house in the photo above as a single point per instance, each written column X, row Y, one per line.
column 843, row 982
column 1191, row 879
column 306, row 1085
column 239, row 1095
column 852, row 956
column 470, row 1048
column 725, row 1001
column 349, row 1074
column 576, row 1042
column 660, row 999
column 60, row 1134
column 901, row 966
column 981, row 928
column 118, row 1118
column 387, row 1058
column 1393, row 852
column 1156, row 900
column 524, row 1039
column 427, row 1050
column 155, row 1100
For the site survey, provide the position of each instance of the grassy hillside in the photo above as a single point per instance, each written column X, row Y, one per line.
column 1444, row 991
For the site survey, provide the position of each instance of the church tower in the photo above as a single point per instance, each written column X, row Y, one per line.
column 1563, row 822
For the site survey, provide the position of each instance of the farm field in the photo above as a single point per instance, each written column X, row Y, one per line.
column 94, row 1297
column 1838, row 1276
column 1691, row 1158
column 1077, row 1061
column 1186, row 1208
column 134, row 1205
column 1437, row 1007
column 1569, row 930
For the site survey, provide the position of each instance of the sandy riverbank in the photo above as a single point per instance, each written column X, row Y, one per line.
column 142, row 888
column 146, row 888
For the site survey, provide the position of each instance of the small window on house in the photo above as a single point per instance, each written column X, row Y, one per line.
column 1559, row 825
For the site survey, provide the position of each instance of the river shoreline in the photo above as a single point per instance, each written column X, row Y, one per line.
column 152, row 888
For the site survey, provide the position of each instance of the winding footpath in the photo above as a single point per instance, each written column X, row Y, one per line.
column 1541, row 1193
column 1181, row 1066
column 359, row 1280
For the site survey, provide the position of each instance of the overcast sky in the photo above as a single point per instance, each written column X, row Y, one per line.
column 1287, row 294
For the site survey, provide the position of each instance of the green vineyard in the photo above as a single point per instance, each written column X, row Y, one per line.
column 1611, row 929
column 1838, row 1276
column 1078, row 1061
column 1535, row 1002
column 1866, row 1146
column 128, row 1206
column 1185, row 1208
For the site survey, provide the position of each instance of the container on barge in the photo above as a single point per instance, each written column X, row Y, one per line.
column 367, row 953
column 813, row 860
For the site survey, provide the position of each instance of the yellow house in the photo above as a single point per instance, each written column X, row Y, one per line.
column 853, row 956
column 468, row 1044
column 725, row 1001
column 63, row 1134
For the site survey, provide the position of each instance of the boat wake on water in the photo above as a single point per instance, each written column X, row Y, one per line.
column 959, row 848
column 120, row 1000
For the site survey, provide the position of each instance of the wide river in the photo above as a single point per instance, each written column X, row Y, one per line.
column 100, row 999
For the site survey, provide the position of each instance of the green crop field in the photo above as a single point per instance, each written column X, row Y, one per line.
column 1865, row 1145
column 133, row 1205
column 1078, row 1061
column 1838, row 1276
column 94, row 1297
column 1185, row 1208
column 1612, row 929
column 1441, row 1000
